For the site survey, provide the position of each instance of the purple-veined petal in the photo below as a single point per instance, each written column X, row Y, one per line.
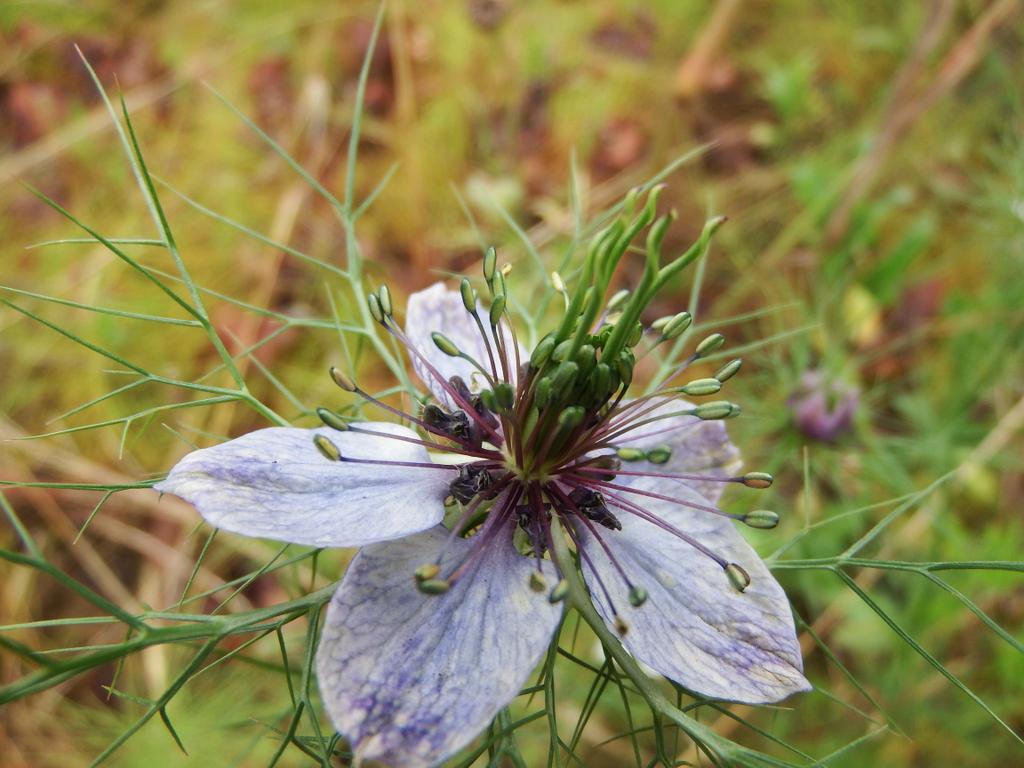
column 275, row 484
column 698, row 447
column 695, row 628
column 411, row 678
column 438, row 309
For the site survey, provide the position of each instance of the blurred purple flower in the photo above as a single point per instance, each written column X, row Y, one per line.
column 823, row 408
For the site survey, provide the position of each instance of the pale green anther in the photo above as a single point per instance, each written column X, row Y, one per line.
column 427, row 571
column 490, row 262
column 676, row 325
column 564, row 375
column 445, row 344
column 331, row 419
column 498, row 284
column 717, row 409
column 761, row 518
column 586, row 357
column 738, row 577
column 617, row 300
column 327, row 449
column 562, row 350
column 728, row 370
column 699, row 387
column 384, row 295
column 537, row 583
column 542, row 352
column 558, row 592
column 433, row 586
column 542, row 392
column 637, row 596
column 735, row 411
column 635, row 335
column 376, row 311
column 342, row 380
column 504, row 396
column 624, row 367
column 602, row 378
column 660, row 454
column 468, row 295
column 571, row 417
column 631, row 454
column 497, row 308
column 709, row 345
column 659, row 324
column 758, row 480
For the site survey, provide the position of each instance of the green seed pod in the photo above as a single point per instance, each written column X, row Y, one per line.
column 332, row 420
column 631, row 454
column 376, row 312
column 542, row 352
column 660, row 454
column 497, row 308
column 717, row 409
column 468, row 295
column 342, row 380
column 676, row 325
column 758, row 480
column 327, row 449
column 762, row 518
column 728, row 370
column 637, row 596
column 738, row 577
column 384, row 295
column 490, row 262
column 709, row 345
column 445, row 344
column 700, row 387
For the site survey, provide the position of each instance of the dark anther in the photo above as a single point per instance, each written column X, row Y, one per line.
column 459, row 385
column 591, row 505
column 471, row 481
column 455, row 425
column 533, row 524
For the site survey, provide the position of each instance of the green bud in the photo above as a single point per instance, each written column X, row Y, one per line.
column 635, row 334
column 504, row 396
column 717, row 409
column 631, row 454
column 676, row 325
column 384, row 296
column 497, row 308
column 571, row 417
column 537, row 583
column 468, row 295
column 564, row 376
column 445, row 344
column 699, row 387
column 738, row 577
column 660, row 454
column 542, row 392
column 558, row 593
column 376, row 311
column 542, row 352
column 761, row 518
column 709, row 345
column 586, row 357
column 758, row 480
column 602, row 378
column 490, row 262
column 728, row 370
column 433, row 586
column 617, row 300
column 327, row 449
column 489, row 400
column 427, row 571
column 342, row 380
column 637, row 596
column 331, row 419
column 562, row 350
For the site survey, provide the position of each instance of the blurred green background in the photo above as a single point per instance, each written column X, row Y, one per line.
column 870, row 157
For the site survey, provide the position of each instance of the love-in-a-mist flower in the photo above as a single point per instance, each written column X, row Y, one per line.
column 455, row 594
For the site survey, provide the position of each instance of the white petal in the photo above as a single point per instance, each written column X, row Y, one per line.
column 275, row 484
column 695, row 628
column 410, row 678
column 698, row 447
column 439, row 309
